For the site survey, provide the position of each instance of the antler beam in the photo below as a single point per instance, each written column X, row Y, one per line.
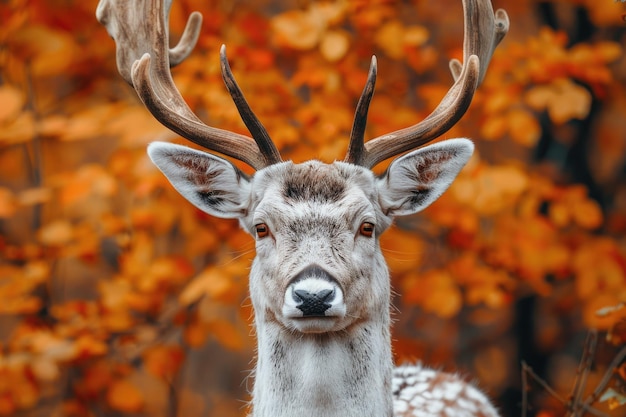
column 483, row 32
column 140, row 30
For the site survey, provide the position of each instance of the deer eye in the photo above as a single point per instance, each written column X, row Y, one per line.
column 261, row 230
column 366, row 229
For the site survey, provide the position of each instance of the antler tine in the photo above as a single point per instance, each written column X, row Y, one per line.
column 356, row 148
column 124, row 18
column 187, row 41
column 254, row 125
column 472, row 38
column 143, row 58
column 483, row 31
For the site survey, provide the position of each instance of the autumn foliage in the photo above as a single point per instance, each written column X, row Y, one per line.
column 117, row 297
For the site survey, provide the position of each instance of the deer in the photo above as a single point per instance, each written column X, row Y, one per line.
column 319, row 284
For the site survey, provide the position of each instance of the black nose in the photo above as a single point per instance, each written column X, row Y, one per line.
column 313, row 304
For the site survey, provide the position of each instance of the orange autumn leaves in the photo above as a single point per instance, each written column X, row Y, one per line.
column 321, row 26
column 515, row 229
column 119, row 383
column 543, row 74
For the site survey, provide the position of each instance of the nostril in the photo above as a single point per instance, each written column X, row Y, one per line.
column 326, row 295
column 300, row 295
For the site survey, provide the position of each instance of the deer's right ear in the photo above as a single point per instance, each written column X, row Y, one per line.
column 210, row 183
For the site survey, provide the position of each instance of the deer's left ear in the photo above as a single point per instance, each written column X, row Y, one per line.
column 418, row 178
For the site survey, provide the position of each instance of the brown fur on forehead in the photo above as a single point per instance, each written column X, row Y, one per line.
column 315, row 182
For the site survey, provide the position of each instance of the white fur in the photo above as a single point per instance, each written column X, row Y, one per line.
column 338, row 365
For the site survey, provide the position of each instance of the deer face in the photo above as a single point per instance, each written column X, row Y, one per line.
column 319, row 267
column 318, row 260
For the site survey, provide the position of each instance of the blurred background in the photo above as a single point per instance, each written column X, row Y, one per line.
column 117, row 297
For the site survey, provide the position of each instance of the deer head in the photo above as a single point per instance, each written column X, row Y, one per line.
column 312, row 219
column 319, row 268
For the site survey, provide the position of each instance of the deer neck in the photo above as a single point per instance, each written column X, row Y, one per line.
column 346, row 373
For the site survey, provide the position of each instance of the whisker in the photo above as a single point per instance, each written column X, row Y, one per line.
column 237, row 255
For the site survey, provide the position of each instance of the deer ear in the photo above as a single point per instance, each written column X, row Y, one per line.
column 418, row 178
column 210, row 183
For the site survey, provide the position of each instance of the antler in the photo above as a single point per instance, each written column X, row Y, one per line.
column 140, row 30
column 483, row 32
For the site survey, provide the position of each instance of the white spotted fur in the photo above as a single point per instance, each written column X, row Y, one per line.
column 338, row 365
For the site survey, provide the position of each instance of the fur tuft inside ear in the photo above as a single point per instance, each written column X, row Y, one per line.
column 210, row 183
column 418, row 178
